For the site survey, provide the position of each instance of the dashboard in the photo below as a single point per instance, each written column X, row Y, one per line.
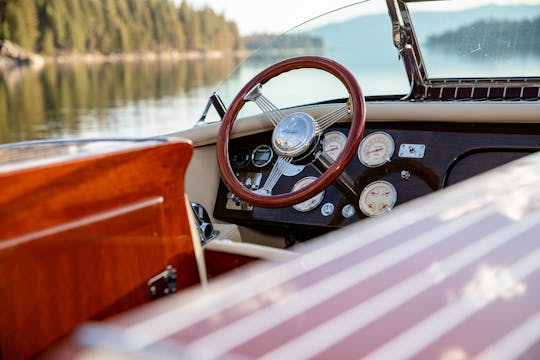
column 395, row 163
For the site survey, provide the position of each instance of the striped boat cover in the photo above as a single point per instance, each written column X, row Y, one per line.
column 455, row 275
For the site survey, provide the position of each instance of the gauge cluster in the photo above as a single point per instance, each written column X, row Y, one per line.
column 370, row 174
column 394, row 163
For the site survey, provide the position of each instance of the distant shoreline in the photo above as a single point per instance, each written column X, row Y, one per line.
column 12, row 57
column 141, row 56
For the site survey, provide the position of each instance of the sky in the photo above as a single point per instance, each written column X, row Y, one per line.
column 276, row 16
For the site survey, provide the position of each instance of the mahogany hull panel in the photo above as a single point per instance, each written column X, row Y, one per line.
column 79, row 239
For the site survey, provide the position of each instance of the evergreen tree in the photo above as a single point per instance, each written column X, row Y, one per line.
column 22, row 23
column 106, row 26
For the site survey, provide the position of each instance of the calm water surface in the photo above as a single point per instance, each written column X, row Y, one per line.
column 157, row 98
column 111, row 99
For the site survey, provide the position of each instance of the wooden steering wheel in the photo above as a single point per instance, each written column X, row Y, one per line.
column 295, row 135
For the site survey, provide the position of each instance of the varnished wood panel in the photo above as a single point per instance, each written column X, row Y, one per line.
column 480, row 160
column 79, row 240
column 219, row 263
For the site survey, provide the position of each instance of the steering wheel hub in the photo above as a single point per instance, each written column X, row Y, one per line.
column 294, row 135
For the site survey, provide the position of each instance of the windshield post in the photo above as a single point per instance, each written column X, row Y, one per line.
column 405, row 41
column 220, row 108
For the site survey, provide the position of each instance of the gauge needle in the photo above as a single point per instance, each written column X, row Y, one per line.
column 375, row 150
column 332, row 148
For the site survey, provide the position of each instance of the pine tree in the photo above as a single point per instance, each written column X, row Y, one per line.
column 22, row 23
column 106, row 26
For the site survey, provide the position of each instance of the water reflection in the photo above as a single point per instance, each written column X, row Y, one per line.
column 111, row 99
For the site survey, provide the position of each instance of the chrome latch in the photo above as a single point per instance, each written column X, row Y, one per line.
column 162, row 284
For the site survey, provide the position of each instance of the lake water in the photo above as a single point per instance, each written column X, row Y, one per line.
column 139, row 99
column 107, row 100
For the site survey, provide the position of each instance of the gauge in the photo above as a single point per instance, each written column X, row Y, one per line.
column 376, row 149
column 309, row 204
column 240, row 159
column 377, row 198
column 262, row 155
column 327, row 209
column 333, row 143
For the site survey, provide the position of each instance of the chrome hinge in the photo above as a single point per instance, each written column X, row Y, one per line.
column 162, row 284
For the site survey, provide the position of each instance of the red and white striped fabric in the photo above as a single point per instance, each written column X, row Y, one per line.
column 455, row 275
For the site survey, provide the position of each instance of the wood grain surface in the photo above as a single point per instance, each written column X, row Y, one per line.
column 80, row 238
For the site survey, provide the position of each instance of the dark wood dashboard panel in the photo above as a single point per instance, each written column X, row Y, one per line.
column 453, row 152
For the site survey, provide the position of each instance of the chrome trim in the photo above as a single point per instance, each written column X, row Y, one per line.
column 294, row 134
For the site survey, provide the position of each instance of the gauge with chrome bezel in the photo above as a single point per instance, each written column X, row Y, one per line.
column 377, row 198
column 311, row 203
column 261, row 156
column 376, row 149
column 241, row 158
column 333, row 143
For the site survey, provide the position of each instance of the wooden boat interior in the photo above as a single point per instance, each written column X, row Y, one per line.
column 159, row 246
column 83, row 233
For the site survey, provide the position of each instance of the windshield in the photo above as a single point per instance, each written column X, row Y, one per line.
column 358, row 36
column 457, row 39
column 486, row 41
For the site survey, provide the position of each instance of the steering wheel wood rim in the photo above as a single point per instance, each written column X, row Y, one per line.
column 338, row 166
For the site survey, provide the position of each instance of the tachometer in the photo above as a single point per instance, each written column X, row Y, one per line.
column 376, row 149
column 309, row 204
column 333, row 143
column 377, row 198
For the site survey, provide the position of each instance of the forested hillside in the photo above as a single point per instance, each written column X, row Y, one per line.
column 114, row 26
column 490, row 38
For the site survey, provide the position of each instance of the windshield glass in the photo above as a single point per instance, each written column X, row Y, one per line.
column 478, row 39
column 358, row 36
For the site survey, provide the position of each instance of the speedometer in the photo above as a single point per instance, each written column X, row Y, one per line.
column 309, row 204
column 376, row 149
column 333, row 143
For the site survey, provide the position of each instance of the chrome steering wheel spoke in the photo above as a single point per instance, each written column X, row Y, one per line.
column 332, row 117
column 282, row 163
column 271, row 111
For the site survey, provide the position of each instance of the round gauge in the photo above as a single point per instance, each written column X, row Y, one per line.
column 377, row 198
column 261, row 156
column 309, row 204
column 333, row 143
column 240, row 159
column 376, row 149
